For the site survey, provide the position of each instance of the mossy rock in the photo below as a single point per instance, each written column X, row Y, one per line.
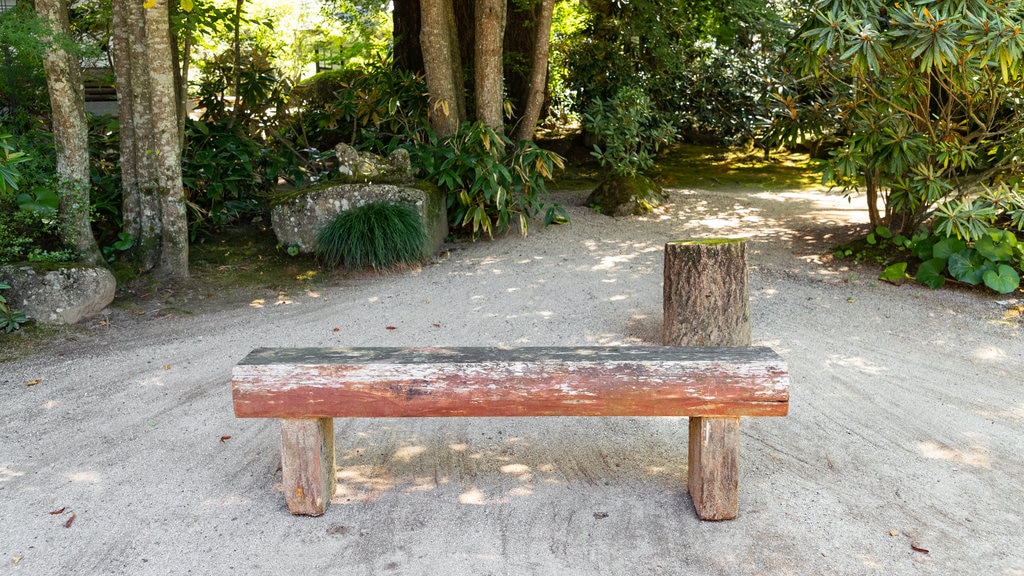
column 625, row 196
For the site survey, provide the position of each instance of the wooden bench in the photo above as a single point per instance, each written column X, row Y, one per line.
column 307, row 387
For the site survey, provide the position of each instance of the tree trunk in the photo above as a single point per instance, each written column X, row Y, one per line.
column 70, row 134
column 440, row 57
column 534, row 102
column 406, row 36
column 141, row 202
column 167, row 149
column 487, row 66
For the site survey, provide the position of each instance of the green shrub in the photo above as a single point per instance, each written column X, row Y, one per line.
column 10, row 320
column 377, row 235
column 488, row 180
column 630, row 130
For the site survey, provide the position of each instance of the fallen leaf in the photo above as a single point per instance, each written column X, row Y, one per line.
column 917, row 548
column 225, row 438
column 390, row 328
column 437, row 325
column 851, row 299
column 103, row 322
column 33, row 382
column 16, row 559
column 61, row 511
column 167, row 366
column 70, row 520
column 893, row 533
column 209, row 295
column 337, row 529
column 336, row 329
column 600, row 515
column 139, row 312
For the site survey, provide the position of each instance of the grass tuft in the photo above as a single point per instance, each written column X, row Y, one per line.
column 376, row 235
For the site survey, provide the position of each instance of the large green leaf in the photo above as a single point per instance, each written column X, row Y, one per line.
column 930, row 273
column 1003, row 279
column 996, row 246
column 895, row 273
column 969, row 266
column 946, row 247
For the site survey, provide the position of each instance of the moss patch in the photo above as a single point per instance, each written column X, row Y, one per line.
column 688, row 166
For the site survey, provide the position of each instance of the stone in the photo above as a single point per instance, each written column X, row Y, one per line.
column 622, row 196
column 355, row 166
column 299, row 218
column 64, row 295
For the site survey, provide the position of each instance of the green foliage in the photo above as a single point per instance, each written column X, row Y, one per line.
column 371, row 107
column 377, row 235
column 923, row 98
column 10, row 320
column 489, row 181
column 9, row 160
column 994, row 259
column 28, row 204
column 23, row 82
column 629, row 129
column 224, row 172
column 702, row 62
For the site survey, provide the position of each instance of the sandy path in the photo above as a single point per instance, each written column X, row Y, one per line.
column 906, row 425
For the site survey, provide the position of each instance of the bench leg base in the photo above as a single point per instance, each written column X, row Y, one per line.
column 713, row 475
column 307, row 463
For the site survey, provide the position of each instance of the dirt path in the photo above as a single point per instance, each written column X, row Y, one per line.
column 906, row 430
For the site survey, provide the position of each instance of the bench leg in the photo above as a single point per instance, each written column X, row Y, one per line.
column 714, row 456
column 307, row 463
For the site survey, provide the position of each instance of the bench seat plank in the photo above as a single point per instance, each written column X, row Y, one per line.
column 539, row 381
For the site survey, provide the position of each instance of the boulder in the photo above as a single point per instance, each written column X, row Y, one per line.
column 63, row 295
column 622, row 196
column 355, row 166
column 299, row 217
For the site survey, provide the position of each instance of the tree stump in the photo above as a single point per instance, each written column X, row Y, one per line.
column 706, row 303
column 705, row 295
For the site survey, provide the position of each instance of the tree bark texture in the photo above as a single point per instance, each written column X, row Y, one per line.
column 534, row 99
column 440, row 55
column 138, row 164
column 167, row 149
column 487, row 66
column 70, row 134
column 405, row 35
column 706, row 302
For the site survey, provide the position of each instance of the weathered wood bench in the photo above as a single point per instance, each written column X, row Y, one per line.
column 307, row 387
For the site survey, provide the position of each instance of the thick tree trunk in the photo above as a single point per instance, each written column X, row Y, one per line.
column 141, row 202
column 487, row 66
column 534, row 101
column 70, row 134
column 440, row 57
column 706, row 303
column 406, row 36
column 174, row 223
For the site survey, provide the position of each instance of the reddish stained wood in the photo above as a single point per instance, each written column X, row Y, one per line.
column 593, row 381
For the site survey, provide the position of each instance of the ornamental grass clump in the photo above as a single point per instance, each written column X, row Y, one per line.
column 376, row 235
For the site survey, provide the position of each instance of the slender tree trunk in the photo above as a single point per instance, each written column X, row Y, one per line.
column 538, row 74
column 237, row 47
column 440, row 52
column 167, row 149
column 70, row 134
column 487, row 65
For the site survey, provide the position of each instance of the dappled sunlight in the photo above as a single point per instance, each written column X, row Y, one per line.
column 976, row 456
column 407, row 453
column 856, row 363
column 989, row 354
column 362, row 483
column 6, row 474
column 87, row 477
column 1015, row 413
